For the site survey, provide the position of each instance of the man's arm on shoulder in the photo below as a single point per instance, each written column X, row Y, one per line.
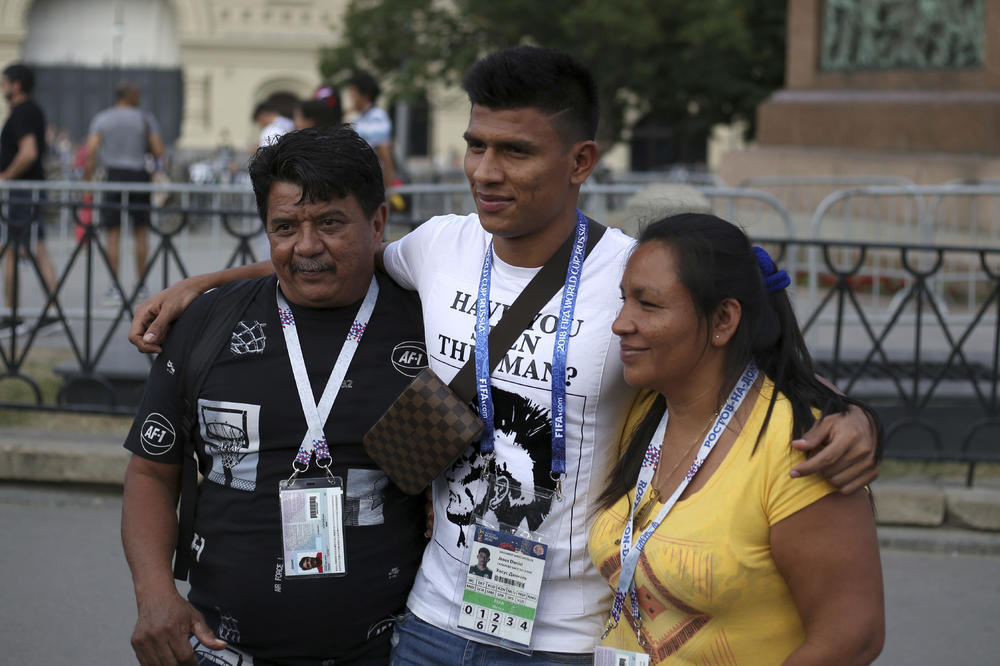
column 149, row 533
column 842, row 447
column 153, row 317
column 380, row 257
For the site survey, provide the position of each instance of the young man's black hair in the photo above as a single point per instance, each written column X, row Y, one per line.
column 529, row 76
column 326, row 162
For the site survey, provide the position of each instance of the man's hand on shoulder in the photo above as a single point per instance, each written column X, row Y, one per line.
column 154, row 316
column 842, row 447
column 163, row 630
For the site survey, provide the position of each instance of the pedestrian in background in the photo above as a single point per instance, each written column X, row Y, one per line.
column 120, row 139
column 271, row 123
column 375, row 127
column 22, row 146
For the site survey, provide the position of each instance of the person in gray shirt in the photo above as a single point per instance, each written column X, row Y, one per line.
column 120, row 138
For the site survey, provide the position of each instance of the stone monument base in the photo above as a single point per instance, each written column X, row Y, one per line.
column 934, row 120
column 797, row 161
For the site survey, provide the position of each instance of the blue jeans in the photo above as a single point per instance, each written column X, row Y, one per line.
column 417, row 643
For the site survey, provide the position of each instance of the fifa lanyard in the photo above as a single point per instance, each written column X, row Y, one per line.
column 559, row 351
column 629, row 554
column 316, row 415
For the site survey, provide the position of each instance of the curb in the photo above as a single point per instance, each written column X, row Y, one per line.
column 926, row 503
column 27, row 455
column 944, row 540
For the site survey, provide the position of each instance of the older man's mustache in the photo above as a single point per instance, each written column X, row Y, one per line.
column 312, row 266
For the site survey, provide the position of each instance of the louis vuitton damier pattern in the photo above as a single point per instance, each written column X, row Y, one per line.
column 422, row 433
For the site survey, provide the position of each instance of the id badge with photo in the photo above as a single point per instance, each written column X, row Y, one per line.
column 312, row 526
column 608, row 656
column 497, row 598
column 502, row 585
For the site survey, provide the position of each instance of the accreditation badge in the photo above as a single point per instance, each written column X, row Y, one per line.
column 312, row 526
column 498, row 597
column 502, row 585
column 607, row 656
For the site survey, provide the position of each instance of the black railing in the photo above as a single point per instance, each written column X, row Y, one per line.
column 911, row 328
column 103, row 374
column 925, row 351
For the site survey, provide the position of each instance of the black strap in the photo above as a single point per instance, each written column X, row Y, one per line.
column 547, row 282
column 217, row 329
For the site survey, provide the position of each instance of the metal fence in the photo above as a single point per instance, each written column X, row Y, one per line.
column 802, row 194
column 901, row 319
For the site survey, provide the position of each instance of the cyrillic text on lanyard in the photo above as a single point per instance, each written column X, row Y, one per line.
column 559, row 352
column 629, row 554
column 317, row 414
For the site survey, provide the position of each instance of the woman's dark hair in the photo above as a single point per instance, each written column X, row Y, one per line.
column 716, row 261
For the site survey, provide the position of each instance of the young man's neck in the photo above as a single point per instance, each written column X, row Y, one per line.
column 532, row 251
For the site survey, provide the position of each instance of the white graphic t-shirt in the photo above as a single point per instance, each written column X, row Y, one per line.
column 442, row 260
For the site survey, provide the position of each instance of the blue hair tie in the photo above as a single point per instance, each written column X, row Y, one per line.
column 774, row 280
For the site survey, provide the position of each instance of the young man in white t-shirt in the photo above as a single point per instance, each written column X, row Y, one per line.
column 530, row 147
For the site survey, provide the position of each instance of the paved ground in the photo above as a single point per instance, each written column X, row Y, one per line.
column 68, row 599
column 940, row 609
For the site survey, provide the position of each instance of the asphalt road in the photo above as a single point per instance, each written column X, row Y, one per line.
column 67, row 599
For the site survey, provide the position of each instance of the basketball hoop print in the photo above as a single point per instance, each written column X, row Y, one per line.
column 232, row 438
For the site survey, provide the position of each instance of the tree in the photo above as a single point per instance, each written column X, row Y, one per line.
column 686, row 64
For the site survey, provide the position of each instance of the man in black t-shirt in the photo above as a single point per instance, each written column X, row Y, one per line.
column 320, row 194
column 22, row 147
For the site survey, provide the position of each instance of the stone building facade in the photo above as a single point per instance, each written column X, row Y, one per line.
column 229, row 54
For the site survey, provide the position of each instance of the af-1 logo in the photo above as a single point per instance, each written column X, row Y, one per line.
column 170, row 367
column 409, row 358
column 157, row 434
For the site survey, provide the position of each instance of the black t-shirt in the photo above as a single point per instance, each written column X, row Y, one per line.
column 250, row 425
column 25, row 118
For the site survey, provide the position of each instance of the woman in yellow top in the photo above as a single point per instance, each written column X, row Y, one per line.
column 728, row 559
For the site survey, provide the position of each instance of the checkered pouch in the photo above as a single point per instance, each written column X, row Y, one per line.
column 421, row 433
